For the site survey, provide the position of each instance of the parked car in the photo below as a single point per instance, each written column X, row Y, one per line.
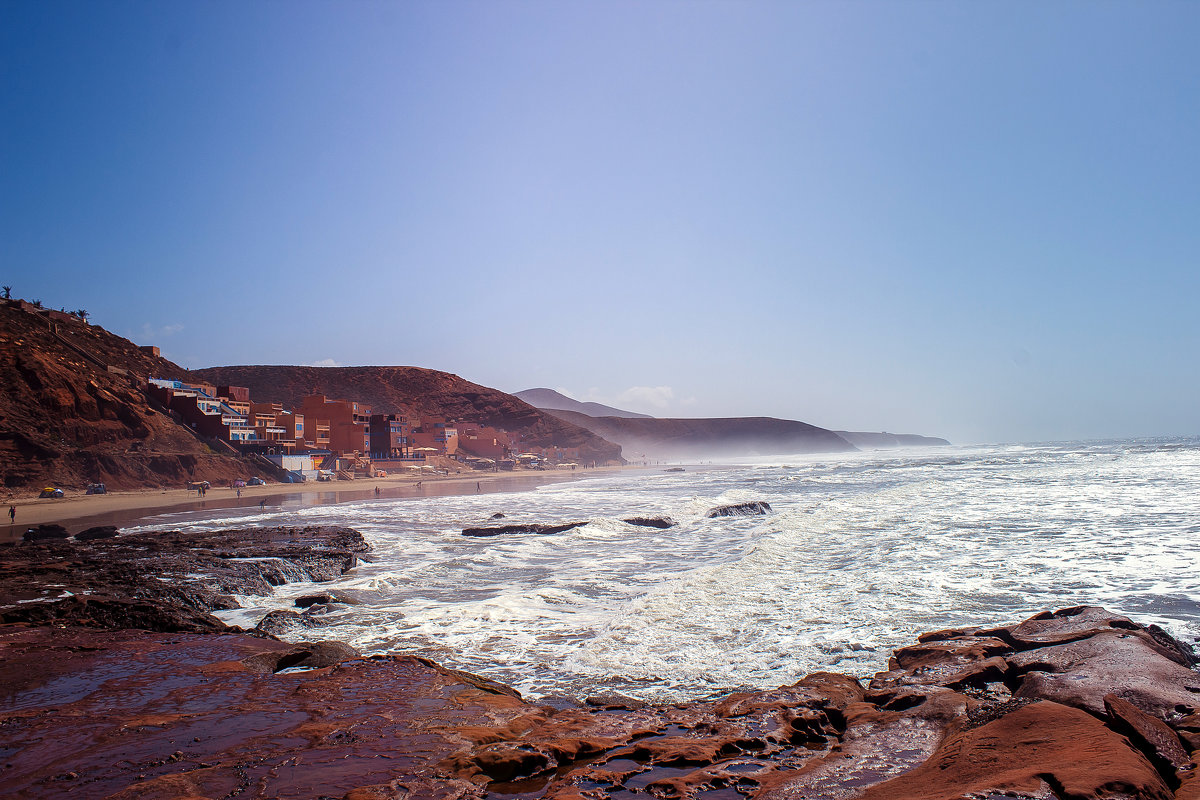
column 97, row 488
column 256, row 482
column 51, row 491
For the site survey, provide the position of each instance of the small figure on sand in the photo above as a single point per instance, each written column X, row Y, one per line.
column 377, row 491
column 262, row 504
column 478, row 486
column 239, row 491
column 12, row 514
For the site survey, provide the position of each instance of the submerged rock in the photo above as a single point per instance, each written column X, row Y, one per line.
column 740, row 509
column 165, row 574
column 308, row 600
column 46, row 532
column 97, row 532
column 282, row 622
column 531, row 527
column 650, row 522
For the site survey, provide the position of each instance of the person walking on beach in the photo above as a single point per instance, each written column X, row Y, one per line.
column 12, row 515
column 262, row 504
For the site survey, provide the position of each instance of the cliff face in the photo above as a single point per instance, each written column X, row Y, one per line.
column 873, row 441
column 414, row 390
column 72, row 411
column 709, row 438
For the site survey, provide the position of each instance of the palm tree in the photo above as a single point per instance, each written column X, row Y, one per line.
column 7, row 292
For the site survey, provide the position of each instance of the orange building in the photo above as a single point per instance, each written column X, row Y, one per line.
column 482, row 441
column 238, row 393
column 292, row 424
column 349, row 423
column 389, row 436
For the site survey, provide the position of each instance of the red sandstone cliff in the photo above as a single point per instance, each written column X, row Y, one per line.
column 72, row 411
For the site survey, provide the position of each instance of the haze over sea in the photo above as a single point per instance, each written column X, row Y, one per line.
column 862, row 552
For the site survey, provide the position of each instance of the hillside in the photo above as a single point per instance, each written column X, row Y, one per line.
column 550, row 399
column 709, row 438
column 877, row 441
column 417, row 391
column 72, row 411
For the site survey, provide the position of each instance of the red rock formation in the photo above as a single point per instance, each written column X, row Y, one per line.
column 1039, row 750
column 1078, row 704
column 67, row 419
column 123, row 714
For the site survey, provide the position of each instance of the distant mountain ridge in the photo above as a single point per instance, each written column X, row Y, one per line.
column 641, row 434
column 709, row 438
column 548, row 399
column 415, row 390
column 874, row 441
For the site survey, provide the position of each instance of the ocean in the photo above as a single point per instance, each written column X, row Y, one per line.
column 860, row 553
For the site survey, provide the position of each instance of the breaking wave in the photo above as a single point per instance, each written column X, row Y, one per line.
column 862, row 552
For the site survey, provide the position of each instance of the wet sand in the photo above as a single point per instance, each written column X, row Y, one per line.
column 79, row 512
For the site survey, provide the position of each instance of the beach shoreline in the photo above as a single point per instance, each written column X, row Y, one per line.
column 79, row 512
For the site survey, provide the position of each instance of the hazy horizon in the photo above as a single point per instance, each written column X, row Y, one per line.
column 975, row 221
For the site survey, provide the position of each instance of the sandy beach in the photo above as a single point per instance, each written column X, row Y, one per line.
column 77, row 512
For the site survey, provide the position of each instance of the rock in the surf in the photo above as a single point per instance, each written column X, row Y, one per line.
column 531, row 527
column 740, row 509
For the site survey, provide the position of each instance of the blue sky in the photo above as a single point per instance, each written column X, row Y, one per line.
column 977, row 220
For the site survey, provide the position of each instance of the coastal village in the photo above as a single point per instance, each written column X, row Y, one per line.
column 326, row 439
column 85, row 407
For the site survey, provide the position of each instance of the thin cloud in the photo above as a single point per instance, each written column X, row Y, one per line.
column 151, row 332
column 325, row 362
column 659, row 397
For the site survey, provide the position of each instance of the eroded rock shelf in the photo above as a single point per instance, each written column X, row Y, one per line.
column 1078, row 703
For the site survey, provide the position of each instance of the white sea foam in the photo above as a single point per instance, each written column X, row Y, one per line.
column 862, row 552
